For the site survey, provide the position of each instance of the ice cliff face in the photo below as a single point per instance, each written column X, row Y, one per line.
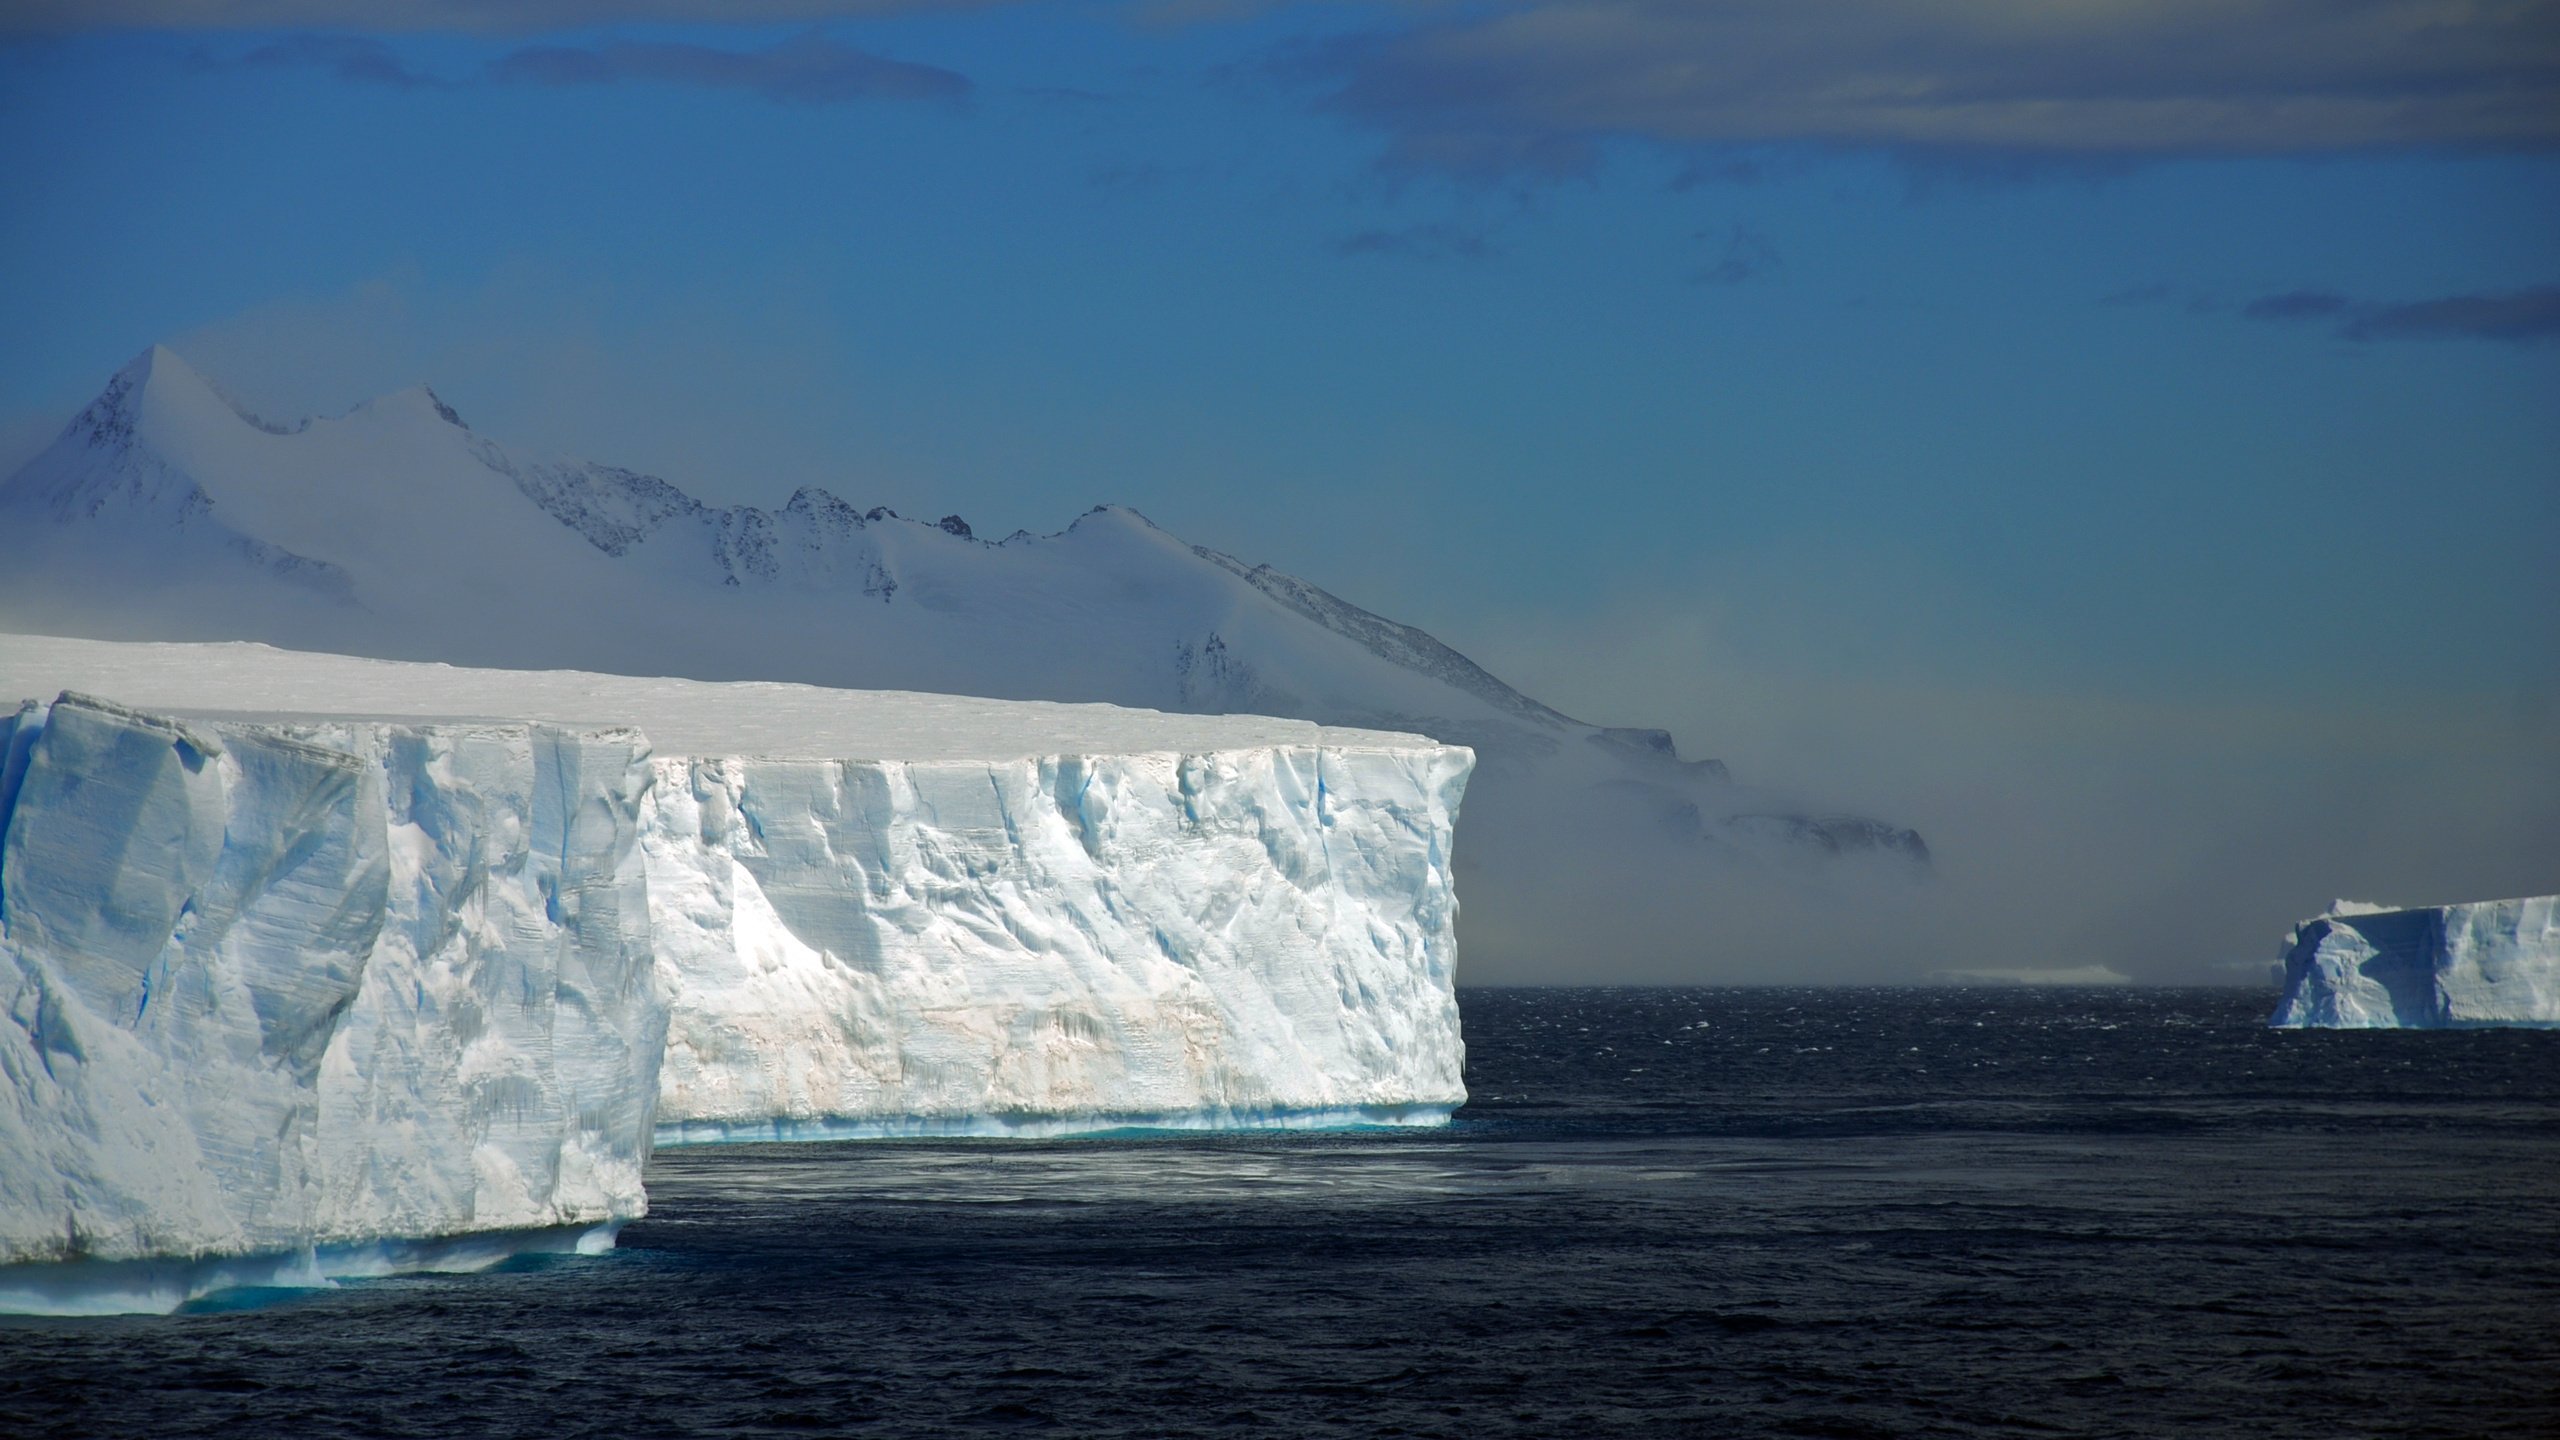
column 1058, row 942
column 277, row 988
column 877, row 912
column 2359, row 967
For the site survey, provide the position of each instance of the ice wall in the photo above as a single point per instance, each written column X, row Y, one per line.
column 1055, row 943
column 2359, row 967
column 300, row 994
column 887, row 912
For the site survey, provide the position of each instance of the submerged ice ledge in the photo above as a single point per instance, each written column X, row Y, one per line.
column 162, row 1286
column 1047, row 1127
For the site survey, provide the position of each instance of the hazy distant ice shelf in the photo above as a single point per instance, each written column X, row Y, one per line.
column 869, row 913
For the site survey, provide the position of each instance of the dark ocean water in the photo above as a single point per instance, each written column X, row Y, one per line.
column 1688, row 1212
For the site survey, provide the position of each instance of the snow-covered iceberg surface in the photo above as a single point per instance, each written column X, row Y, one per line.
column 2496, row 962
column 889, row 913
column 285, row 999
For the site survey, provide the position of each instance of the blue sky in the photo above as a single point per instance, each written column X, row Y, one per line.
column 1944, row 364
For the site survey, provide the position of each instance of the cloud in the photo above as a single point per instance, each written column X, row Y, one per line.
column 810, row 69
column 348, row 57
column 1539, row 88
column 1747, row 255
column 1437, row 241
column 1724, row 170
column 2150, row 294
column 2162, row 831
column 2298, row 305
column 2515, row 316
column 504, row 16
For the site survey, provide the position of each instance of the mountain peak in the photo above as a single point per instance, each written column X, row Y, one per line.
column 415, row 400
column 158, row 387
column 158, row 364
column 160, row 371
column 154, row 360
column 435, row 402
column 155, row 381
column 1120, row 515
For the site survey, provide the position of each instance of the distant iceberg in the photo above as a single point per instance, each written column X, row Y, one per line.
column 2064, row 976
column 2362, row 967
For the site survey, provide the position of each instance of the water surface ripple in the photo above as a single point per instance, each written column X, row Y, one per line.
column 1666, row 1212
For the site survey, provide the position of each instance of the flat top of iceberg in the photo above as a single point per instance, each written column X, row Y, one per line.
column 681, row 717
column 2350, row 911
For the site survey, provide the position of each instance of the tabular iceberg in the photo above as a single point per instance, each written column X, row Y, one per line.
column 885, row 913
column 1058, row 942
column 288, row 998
column 2496, row 962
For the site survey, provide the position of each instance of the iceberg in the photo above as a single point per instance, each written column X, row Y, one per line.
column 2363, row 966
column 1036, row 944
column 289, row 998
column 2032, row 977
column 355, row 966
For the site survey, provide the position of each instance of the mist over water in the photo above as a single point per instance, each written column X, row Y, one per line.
column 2087, row 798
column 1735, row 1212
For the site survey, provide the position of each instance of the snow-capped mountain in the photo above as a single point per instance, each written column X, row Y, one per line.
column 164, row 511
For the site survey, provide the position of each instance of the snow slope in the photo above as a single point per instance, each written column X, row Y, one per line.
column 164, row 512
column 2364, row 967
column 394, row 530
column 885, row 912
column 287, row 998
